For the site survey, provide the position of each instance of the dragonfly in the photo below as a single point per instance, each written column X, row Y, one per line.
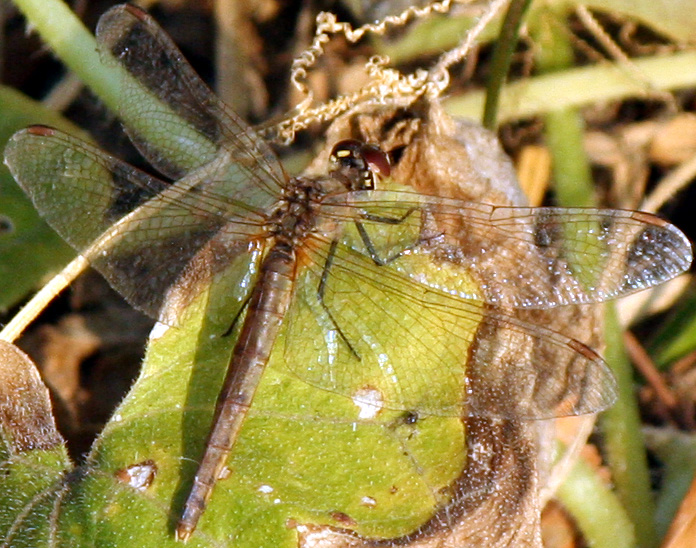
column 353, row 243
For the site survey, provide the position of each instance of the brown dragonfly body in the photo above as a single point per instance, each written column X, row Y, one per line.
column 268, row 304
column 355, row 251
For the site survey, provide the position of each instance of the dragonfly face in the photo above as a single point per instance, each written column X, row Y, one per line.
column 359, row 164
column 395, row 277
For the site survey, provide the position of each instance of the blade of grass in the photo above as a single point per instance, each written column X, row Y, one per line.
column 677, row 336
column 578, row 87
column 502, row 57
column 675, row 20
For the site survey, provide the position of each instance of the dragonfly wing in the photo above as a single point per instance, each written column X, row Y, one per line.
column 371, row 332
column 174, row 119
column 143, row 234
column 521, row 370
column 79, row 190
column 527, row 257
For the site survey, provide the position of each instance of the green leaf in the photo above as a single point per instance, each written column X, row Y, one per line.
column 676, row 451
column 33, row 459
column 304, row 455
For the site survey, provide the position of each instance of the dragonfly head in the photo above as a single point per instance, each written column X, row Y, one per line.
column 358, row 165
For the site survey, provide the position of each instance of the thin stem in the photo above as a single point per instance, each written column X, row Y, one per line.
column 596, row 509
column 571, row 171
column 38, row 302
column 624, row 445
column 77, row 48
column 70, row 40
column 502, row 57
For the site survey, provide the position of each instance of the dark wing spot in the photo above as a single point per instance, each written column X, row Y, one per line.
column 546, row 231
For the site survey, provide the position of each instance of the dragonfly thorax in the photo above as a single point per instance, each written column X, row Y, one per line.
column 294, row 216
column 353, row 166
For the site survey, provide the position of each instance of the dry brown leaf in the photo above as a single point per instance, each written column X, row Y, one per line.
column 25, row 407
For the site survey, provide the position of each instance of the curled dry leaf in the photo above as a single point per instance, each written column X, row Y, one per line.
column 25, row 406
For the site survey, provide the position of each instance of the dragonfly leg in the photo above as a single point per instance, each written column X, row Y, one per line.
column 364, row 236
column 320, row 295
column 389, row 220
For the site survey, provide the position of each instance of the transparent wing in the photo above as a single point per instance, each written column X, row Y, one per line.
column 374, row 334
column 144, row 235
column 521, row 257
column 174, row 118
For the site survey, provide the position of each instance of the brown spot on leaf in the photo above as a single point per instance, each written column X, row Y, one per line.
column 343, row 519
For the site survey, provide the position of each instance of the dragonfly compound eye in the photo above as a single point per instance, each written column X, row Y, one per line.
column 358, row 165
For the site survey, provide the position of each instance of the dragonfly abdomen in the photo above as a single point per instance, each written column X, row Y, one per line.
column 268, row 304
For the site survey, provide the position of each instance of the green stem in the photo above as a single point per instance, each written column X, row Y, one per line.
column 502, row 56
column 597, row 511
column 571, row 170
column 624, row 445
column 70, row 40
column 77, row 48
